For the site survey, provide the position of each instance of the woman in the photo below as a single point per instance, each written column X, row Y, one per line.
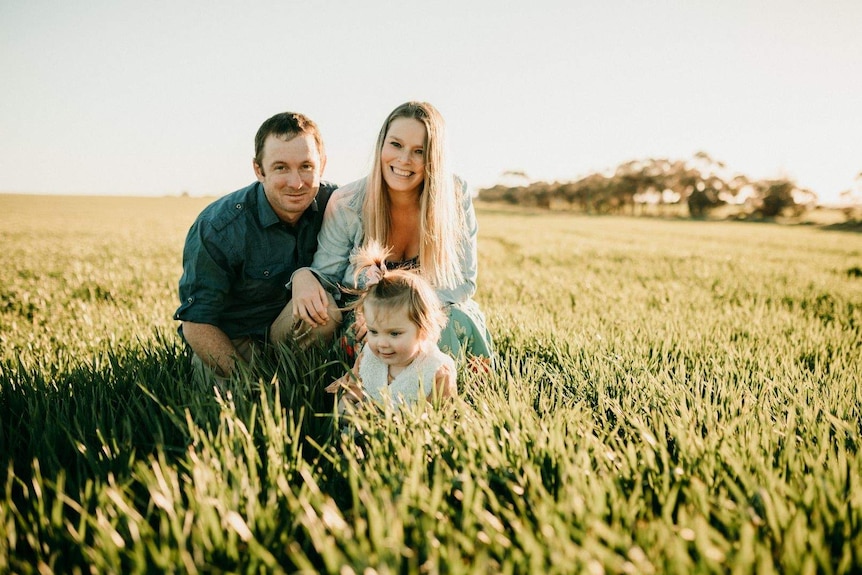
column 423, row 214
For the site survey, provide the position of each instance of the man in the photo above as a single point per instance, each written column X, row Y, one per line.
column 243, row 248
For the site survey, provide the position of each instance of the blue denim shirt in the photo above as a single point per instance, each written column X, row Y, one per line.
column 342, row 234
column 237, row 258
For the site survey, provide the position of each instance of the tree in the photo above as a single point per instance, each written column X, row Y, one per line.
column 851, row 201
column 700, row 202
column 776, row 196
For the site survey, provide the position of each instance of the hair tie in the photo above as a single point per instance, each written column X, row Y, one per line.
column 375, row 274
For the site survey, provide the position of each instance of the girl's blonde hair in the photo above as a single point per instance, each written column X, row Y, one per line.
column 394, row 288
column 441, row 224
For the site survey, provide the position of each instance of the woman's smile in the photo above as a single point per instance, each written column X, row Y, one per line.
column 401, row 173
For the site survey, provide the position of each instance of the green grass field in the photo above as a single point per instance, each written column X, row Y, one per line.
column 671, row 397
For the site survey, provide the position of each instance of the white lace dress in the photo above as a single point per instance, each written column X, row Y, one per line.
column 415, row 382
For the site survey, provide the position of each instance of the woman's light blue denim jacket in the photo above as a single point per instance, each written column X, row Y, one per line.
column 342, row 234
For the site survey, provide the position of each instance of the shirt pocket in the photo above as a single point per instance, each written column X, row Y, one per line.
column 263, row 283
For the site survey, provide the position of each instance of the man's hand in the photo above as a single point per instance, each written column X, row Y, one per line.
column 213, row 346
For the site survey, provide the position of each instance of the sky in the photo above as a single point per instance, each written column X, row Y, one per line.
column 117, row 97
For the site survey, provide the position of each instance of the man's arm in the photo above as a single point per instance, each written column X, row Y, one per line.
column 213, row 346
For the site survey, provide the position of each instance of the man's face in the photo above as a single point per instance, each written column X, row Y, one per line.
column 290, row 172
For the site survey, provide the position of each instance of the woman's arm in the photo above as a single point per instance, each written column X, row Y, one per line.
column 340, row 233
column 469, row 252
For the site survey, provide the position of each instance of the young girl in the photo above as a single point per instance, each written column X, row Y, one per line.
column 400, row 361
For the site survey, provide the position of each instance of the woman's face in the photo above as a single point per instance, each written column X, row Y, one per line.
column 402, row 158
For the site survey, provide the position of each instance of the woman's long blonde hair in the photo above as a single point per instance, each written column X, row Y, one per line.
column 441, row 225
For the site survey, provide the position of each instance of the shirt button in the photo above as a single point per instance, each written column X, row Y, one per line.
column 238, row 206
column 266, row 273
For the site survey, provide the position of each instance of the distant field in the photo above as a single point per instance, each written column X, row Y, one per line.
column 671, row 397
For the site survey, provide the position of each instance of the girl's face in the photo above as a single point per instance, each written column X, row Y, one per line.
column 402, row 157
column 392, row 337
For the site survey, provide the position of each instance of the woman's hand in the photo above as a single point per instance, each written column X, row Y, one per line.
column 309, row 299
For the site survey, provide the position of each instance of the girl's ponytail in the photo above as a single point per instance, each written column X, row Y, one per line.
column 370, row 262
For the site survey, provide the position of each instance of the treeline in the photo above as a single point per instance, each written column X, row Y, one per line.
column 660, row 186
